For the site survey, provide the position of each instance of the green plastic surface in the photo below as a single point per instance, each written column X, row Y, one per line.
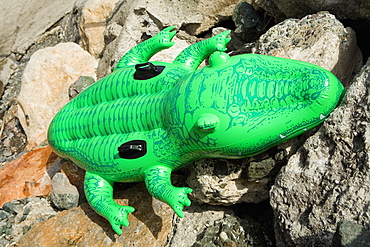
column 235, row 107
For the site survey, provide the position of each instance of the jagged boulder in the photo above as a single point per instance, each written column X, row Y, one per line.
column 45, row 83
column 64, row 195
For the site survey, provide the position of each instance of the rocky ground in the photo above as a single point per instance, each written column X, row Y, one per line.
column 311, row 191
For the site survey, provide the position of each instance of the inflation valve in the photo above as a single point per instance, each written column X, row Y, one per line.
column 132, row 149
column 144, row 71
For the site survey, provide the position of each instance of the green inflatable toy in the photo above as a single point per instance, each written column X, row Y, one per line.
column 146, row 119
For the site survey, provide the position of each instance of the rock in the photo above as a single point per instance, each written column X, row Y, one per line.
column 62, row 31
column 319, row 39
column 327, row 180
column 27, row 213
column 63, row 194
column 3, row 215
column 48, row 74
column 350, row 234
column 221, row 182
column 149, row 225
column 22, row 22
column 93, row 22
column 233, row 231
column 215, row 11
column 75, row 175
column 353, row 9
column 13, row 138
column 249, row 24
column 169, row 55
column 7, row 68
column 13, row 207
column 80, row 85
column 30, row 175
column 227, row 182
column 132, row 21
column 197, row 218
column 270, row 8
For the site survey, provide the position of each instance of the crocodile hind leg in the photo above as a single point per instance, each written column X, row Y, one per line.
column 158, row 183
column 145, row 50
column 194, row 55
column 99, row 194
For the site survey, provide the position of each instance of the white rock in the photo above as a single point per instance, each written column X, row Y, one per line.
column 170, row 54
column 45, row 83
column 93, row 23
column 23, row 21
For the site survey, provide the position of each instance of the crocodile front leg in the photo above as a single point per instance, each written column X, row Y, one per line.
column 145, row 50
column 194, row 55
column 99, row 194
column 158, row 183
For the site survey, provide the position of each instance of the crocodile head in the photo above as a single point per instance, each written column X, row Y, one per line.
column 239, row 106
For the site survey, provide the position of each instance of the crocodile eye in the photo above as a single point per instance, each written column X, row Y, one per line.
column 132, row 149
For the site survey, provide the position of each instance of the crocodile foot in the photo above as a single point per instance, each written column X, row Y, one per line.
column 164, row 37
column 158, row 183
column 118, row 217
column 219, row 41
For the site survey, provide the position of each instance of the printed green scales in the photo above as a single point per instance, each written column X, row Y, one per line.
column 145, row 120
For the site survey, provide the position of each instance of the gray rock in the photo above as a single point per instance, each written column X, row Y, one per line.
column 249, row 23
column 29, row 28
column 80, row 85
column 351, row 234
column 227, row 182
column 3, row 243
column 63, row 194
column 197, row 218
column 27, row 213
column 7, row 68
column 233, row 231
column 13, row 207
column 271, row 9
column 327, row 180
column 4, row 214
column 2, row 227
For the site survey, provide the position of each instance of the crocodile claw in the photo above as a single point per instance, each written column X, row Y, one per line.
column 165, row 36
column 182, row 200
column 220, row 41
column 120, row 218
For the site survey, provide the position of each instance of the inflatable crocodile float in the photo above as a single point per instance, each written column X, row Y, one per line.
column 146, row 119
